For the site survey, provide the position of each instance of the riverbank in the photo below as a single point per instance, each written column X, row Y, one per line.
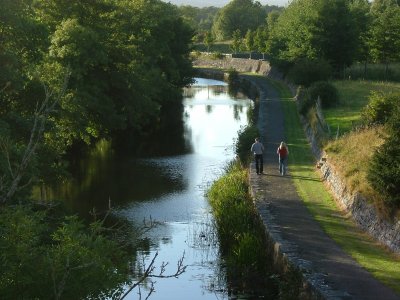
column 296, row 239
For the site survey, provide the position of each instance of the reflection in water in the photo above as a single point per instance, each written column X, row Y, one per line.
column 170, row 190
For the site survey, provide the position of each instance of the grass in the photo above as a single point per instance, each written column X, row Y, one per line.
column 239, row 232
column 351, row 155
column 353, row 97
column 382, row 264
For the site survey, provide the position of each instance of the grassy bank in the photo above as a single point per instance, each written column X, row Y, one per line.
column 352, row 152
column 241, row 233
column 381, row 263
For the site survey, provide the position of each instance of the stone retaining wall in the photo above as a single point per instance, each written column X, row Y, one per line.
column 362, row 212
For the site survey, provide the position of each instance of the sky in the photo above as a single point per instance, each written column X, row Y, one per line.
column 221, row 3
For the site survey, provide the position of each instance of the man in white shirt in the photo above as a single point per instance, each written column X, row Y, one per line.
column 257, row 148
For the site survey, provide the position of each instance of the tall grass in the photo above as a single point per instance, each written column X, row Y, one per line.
column 241, row 234
column 374, row 72
column 221, row 47
column 351, row 155
column 233, row 211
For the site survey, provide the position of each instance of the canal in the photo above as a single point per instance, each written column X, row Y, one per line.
column 169, row 191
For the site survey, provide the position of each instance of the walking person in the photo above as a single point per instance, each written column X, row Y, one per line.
column 258, row 149
column 283, row 153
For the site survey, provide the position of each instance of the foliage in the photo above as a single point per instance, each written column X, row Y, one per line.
column 315, row 29
column 384, row 38
column 237, row 41
column 60, row 260
column 380, row 107
column 198, row 18
column 238, row 14
column 208, row 40
column 240, row 232
column 126, row 63
column 384, row 171
column 326, row 92
column 306, row 71
column 246, row 136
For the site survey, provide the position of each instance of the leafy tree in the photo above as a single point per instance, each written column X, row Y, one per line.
column 260, row 38
column 126, row 61
column 384, row 171
column 360, row 9
column 306, row 29
column 199, row 18
column 306, row 71
column 249, row 41
column 238, row 14
column 237, row 41
column 385, row 31
column 64, row 261
column 208, row 40
column 336, row 33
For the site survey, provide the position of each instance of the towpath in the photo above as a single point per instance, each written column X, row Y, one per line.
column 329, row 270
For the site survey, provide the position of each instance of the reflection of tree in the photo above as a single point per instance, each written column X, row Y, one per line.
column 218, row 90
column 237, row 110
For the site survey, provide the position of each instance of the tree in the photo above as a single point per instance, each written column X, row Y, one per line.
column 385, row 32
column 61, row 260
column 208, row 40
column 237, row 41
column 260, row 39
column 384, row 170
column 360, row 10
column 238, row 14
column 306, row 29
column 249, row 41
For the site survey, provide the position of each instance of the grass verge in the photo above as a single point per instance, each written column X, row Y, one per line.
column 381, row 263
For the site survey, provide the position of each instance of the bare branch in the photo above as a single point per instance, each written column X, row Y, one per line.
column 41, row 114
column 149, row 273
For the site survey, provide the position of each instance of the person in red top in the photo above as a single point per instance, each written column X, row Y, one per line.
column 283, row 153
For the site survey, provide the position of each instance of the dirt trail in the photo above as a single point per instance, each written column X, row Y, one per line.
column 333, row 273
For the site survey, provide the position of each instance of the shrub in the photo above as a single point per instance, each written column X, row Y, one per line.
column 326, row 91
column 306, row 102
column 305, row 71
column 380, row 107
column 246, row 136
column 384, row 171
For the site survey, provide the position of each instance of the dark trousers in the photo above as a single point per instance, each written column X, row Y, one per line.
column 259, row 163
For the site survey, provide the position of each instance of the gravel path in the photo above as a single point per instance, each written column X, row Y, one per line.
column 333, row 273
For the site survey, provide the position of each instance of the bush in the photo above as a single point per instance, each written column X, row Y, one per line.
column 326, row 91
column 217, row 55
column 380, row 107
column 75, row 261
column 246, row 136
column 305, row 71
column 384, row 171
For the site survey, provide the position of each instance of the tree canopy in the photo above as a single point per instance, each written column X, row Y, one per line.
column 125, row 61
